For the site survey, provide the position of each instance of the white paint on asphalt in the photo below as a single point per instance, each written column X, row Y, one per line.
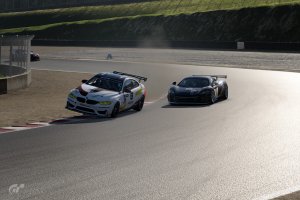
column 55, row 70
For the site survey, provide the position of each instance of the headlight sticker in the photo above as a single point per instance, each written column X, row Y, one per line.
column 139, row 92
column 72, row 96
column 105, row 103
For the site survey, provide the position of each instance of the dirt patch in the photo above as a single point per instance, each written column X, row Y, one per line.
column 44, row 100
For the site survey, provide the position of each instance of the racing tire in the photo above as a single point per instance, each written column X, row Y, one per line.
column 212, row 98
column 225, row 94
column 115, row 110
column 140, row 104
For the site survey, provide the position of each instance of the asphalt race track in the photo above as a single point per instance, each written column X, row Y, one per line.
column 246, row 147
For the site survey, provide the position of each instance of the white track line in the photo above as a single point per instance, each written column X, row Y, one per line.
column 41, row 124
column 17, row 128
column 54, row 70
column 113, row 61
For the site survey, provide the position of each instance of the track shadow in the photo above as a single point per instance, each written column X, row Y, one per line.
column 85, row 119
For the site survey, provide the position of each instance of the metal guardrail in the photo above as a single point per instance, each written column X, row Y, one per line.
column 226, row 45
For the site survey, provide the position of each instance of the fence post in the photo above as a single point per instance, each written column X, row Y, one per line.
column 28, row 45
column 0, row 50
column 240, row 45
column 10, row 59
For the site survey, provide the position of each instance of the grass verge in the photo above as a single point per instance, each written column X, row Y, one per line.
column 280, row 23
column 161, row 7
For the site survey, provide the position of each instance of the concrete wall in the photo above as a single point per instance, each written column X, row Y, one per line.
column 3, row 86
column 18, row 82
column 12, row 83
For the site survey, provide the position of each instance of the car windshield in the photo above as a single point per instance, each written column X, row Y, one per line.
column 194, row 83
column 106, row 83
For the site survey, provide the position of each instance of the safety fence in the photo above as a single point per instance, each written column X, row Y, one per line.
column 15, row 71
column 14, row 55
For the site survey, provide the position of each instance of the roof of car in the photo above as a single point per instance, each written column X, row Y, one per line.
column 199, row 76
column 113, row 75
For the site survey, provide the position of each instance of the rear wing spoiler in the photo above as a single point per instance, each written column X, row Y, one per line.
column 140, row 78
column 214, row 76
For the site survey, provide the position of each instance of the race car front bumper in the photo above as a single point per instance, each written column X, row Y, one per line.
column 74, row 105
column 182, row 100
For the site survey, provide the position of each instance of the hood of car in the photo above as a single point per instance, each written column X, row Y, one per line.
column 94, row 92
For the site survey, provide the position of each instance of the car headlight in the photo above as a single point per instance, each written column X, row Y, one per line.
column 106, row 103
column 171, row 92
column 72, row 96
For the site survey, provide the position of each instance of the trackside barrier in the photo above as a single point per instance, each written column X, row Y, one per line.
column 248, row 45
column 15, row 71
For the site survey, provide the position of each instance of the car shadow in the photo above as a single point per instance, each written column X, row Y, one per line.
column 86, row 119
column 193, row 105
column 186, row 106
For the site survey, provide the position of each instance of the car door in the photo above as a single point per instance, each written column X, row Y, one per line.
column 215, row 87
column 128, row 93
column 137, row 91
column 132, row 92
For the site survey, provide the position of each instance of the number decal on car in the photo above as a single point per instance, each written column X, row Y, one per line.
column 131, row 95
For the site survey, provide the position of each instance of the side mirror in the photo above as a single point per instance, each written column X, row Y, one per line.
column 84, row 81
column 174, row 83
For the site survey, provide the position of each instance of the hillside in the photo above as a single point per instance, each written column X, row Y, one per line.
column 214, row 20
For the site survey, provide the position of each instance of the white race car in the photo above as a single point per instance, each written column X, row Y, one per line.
column 107, row 94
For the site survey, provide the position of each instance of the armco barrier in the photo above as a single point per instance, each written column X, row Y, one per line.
column 231, row 45
column 273, row 46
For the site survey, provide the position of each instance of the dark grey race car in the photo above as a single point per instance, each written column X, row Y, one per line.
column 199, row 89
